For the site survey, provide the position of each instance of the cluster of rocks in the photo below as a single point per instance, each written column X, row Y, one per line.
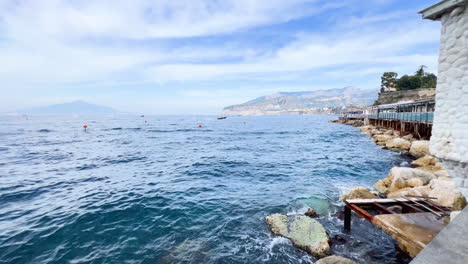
column 427, row 177
column 351, row 122
column 305, row 233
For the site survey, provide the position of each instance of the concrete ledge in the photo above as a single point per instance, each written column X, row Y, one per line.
column 449, row 246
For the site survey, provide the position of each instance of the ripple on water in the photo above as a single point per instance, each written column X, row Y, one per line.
column 180, row 194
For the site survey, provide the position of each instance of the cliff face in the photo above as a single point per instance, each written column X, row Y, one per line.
column 309, row 102
column 411, row 95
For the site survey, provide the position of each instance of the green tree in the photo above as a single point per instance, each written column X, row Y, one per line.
column 429, row 80
column 409, row 82
column 420, row 72
column 388, row 79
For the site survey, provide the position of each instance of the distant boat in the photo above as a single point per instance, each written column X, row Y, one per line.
column 222, row 117
column 142, row 116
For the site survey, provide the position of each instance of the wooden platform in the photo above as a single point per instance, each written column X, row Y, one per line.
column 414, row 226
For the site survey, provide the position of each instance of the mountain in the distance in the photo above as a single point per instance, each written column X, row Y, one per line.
column 76, row 107
column 303, row 102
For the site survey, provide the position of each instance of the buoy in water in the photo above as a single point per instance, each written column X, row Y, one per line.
column 85, row 126
column 200, row 125
column 245, row 122
column 146, row 121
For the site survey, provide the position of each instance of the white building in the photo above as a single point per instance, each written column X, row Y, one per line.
column 449, row 141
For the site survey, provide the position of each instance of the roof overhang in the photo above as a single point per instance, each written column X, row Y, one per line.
column 434, row 12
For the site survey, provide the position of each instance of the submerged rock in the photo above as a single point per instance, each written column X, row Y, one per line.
column 311, row 213
column 419, row 148
column 303, row 231
column 335, row 260
column 359, row 193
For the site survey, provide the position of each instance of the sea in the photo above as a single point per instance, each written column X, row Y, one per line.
column 161, row 189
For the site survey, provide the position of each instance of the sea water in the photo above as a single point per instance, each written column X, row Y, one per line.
column 168, row 191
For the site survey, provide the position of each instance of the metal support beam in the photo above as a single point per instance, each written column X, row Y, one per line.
column 347, row 218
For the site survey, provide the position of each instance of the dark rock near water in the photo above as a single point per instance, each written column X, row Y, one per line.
column 311, row 213
column 338, row 239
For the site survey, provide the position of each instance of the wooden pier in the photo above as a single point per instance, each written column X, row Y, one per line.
column 414, row 226
column 407, row 117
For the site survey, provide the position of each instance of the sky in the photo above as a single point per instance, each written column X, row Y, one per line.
column 198, row 56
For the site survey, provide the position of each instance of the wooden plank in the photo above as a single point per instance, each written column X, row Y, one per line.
column 361, row 212
column 440, row 208
column 387, row 200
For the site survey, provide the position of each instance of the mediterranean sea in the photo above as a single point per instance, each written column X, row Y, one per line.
column 167, row 191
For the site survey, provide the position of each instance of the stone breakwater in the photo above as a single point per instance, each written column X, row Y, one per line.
column 426, row 176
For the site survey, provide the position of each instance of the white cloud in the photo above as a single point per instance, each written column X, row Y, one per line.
column 57, row 45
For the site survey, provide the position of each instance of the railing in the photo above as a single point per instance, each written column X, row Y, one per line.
column 424, row 117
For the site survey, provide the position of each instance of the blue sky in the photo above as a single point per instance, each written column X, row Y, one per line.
column 197, row 56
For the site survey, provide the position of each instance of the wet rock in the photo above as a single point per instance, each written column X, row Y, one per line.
column 339, row 215
column 382, row 139
column 420, row 148
column 359, row 193
column 335, row 260
column 398, row 144
column 366, row 130
column 304, row 232
column 311, row 213
column 337, row 239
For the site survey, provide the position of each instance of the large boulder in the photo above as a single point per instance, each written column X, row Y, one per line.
column 401, row 177
column 304, row 232
column 447, row 194
column 419, row 148
column 382, row 139
column 428, row 164
column 376, row 131
column 398, row 144
column 335, row 260
column 359, row 193
column 366, row 129
column 424, row 161
column 411, row 191
column 408, row 137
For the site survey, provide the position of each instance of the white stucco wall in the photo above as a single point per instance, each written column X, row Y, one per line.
column 449, row 141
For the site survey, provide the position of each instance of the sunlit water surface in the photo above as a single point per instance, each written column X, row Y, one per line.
column 167, row 191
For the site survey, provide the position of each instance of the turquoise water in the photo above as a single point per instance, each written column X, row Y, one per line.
column 167, row 191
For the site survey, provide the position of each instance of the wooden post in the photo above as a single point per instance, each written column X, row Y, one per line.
column 347, row 218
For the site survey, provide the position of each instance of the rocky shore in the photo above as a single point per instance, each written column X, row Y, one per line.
column 426, row 177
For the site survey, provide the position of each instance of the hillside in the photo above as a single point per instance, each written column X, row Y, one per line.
column 77, row 107
column 303, row 102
